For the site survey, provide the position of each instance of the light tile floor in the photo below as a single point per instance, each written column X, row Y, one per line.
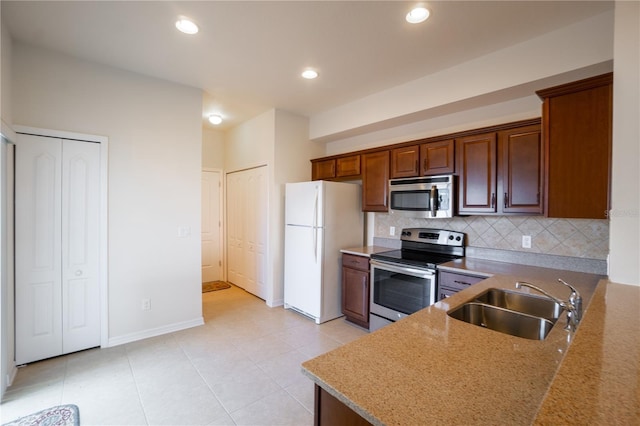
column 241, row 368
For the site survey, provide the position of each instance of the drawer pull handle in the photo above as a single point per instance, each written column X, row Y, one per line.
column 461, row 282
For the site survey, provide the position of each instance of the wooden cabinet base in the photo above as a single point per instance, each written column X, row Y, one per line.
column 331, row 412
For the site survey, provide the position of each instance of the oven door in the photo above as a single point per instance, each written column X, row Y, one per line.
column 398, row 291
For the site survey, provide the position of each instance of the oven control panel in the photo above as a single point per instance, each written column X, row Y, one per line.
column 433, row 236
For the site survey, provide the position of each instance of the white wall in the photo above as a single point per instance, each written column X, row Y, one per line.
column 212, row 148
column 6, row 46
column 251, row 143
column 7, row 340
column 155, row 158
column 625, row 189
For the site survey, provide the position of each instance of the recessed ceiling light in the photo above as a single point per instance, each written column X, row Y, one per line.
column 186, row 25
column 309, row 74
column 215, row 119
column 417, row 15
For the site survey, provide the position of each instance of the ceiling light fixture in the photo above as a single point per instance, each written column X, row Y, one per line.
column 186, row 25
column 417, row 15
column 215, row 119
column 309, row 74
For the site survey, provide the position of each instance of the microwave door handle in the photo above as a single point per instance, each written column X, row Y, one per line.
column 433, row 194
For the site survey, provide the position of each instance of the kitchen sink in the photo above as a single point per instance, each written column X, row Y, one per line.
column 503, row 320
column 521, row 302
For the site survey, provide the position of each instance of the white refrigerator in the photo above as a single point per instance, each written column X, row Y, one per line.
column 321, row 218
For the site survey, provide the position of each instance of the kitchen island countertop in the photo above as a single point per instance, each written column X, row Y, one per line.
column 432, row 369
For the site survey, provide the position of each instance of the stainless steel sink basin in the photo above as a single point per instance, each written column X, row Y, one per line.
column 521, row 302
column 503, row 320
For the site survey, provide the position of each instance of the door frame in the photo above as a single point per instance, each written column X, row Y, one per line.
column 223, row 228
column 103, row 238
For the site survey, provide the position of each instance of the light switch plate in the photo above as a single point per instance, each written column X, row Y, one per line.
column 526, row 241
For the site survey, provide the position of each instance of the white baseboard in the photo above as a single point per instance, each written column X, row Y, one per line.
column 274, row 303
column 153, row 332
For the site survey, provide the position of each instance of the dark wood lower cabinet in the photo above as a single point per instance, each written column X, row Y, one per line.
column 355, row 289
column 331, row 412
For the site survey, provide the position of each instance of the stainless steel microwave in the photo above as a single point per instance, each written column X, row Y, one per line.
column 423, row 197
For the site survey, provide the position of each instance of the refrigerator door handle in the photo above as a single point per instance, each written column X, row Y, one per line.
column 315, row 227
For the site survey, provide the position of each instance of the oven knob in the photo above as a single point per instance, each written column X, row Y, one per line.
column 451, row 237
column 458, row 238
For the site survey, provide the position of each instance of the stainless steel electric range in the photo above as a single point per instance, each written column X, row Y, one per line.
column 405, row 281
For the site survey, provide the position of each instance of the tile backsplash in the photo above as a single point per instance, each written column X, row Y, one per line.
column 582, row 238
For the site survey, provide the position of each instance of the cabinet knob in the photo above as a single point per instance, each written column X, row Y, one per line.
column 78, row 273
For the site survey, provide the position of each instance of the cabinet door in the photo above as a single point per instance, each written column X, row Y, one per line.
column 477, row 161
column 437, row 158
column 324, row 169
column 522, row 165
column 577, row 122
column 355, row 296
column 375, row 181
column 404, row 161
column 348, row 166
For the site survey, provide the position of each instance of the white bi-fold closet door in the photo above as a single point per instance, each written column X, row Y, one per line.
column 247, row 222
column 57, row 254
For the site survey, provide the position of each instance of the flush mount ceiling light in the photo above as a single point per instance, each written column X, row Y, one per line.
column 215, row 119
column 309, row 74
column 417, row 15
column 186, row 25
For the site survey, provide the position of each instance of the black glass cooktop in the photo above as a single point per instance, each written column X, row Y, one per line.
column 414, row 258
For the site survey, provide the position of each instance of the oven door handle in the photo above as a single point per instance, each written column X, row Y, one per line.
column 401, row 269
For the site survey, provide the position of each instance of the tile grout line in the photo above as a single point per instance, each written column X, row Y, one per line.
column 135, row 381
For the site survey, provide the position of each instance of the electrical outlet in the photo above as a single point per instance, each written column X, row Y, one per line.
column 146, row 304
column 526, row 241
column 392, row 230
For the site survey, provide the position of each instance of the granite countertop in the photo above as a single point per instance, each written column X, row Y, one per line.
column 430, row 368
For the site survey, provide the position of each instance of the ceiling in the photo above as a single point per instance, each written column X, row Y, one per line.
column 248, row 55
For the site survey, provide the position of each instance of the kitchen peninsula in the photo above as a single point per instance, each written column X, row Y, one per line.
column 432, row 369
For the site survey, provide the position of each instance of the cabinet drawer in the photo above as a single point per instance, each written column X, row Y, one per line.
column 452, row 280
column 355, row 262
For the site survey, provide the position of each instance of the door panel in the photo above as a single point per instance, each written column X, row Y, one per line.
column 38, row 255
column 211, row 253
column 80, row 256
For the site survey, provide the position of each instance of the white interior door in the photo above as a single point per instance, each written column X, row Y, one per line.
column 247, row 219
column 57, row 232
column 211, row 226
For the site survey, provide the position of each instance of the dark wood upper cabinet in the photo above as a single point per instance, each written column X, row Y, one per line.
column 437, row 158
column 348, row 166
column 501, row 173
column 323, row 170
column 375, row 181
column 478, row 180
column 405, row 161
column 577, row 130
column 522, row 170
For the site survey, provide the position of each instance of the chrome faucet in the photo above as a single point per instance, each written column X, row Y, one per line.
column 573, row 306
